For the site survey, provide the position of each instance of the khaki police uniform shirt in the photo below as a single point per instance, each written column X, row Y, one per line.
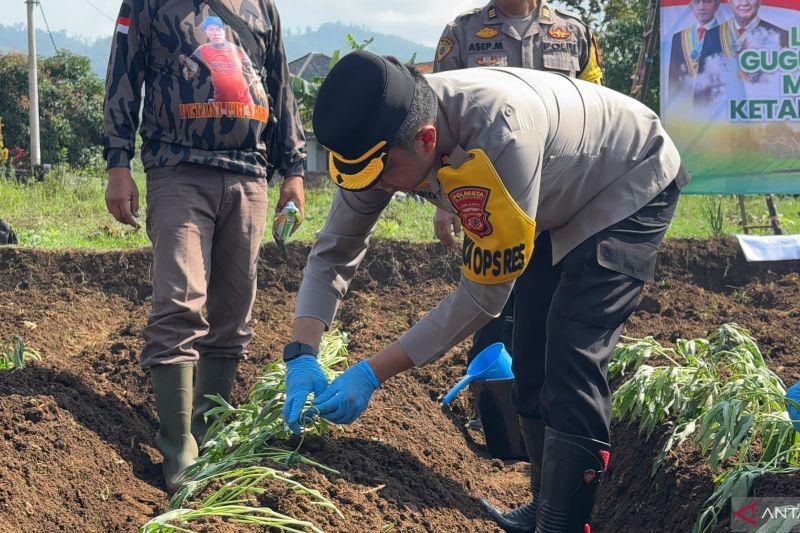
column 557, row 41
column 574, row 156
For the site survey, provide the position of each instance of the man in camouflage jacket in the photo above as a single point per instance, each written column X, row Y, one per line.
column 210, row 109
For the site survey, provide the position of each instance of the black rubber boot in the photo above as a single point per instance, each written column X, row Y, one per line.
column 523, row 518
column 172, row 386
column 572, row 470
column 215, row 375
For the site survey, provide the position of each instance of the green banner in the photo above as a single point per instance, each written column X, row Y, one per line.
column 730, row 93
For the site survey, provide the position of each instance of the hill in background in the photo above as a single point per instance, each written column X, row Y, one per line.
column 327, row 38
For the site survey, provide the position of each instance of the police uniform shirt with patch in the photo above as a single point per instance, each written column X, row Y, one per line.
column 573, row 156
column 205, row 102
column 556, row 40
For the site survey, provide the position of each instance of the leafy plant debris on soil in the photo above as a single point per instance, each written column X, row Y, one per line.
column 78, row 425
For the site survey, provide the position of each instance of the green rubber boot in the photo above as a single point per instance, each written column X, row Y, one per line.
column 172, row 386
column 215, row 375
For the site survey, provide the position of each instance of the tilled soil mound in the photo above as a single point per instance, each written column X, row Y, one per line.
column 77, row 428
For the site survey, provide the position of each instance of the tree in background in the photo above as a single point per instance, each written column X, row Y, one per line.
column 70, row 107
column 619, row 26
column 306, row 91
column 14, row 104
column 591, row 11
column 621, row 36
column 3, row 151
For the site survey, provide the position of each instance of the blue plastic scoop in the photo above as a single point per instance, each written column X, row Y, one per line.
column 492, row 363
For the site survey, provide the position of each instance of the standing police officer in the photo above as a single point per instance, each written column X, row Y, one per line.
column 527, row 34
column 520, row 33
column 512, row 152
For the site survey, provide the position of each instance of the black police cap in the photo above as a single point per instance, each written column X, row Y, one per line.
column 359, row 110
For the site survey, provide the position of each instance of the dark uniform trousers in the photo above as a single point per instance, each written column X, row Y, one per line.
column 569, row 317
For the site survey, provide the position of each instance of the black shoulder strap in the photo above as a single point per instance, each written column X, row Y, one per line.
column 242, row 30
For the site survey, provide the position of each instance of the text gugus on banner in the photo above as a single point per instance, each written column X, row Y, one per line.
column 730, row 93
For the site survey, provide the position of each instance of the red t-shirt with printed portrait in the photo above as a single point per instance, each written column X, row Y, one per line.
column 227, row 72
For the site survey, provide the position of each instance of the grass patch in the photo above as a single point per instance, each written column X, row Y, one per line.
column 67, row 210
column 401, row 220
column 697, row 216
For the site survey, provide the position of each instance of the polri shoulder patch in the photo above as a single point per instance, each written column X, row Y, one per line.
column 492, row 13
column 470, row 202
column 486, row 33
column 445, row 47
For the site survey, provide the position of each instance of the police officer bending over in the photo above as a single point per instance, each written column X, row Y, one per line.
column 526, row 152
column 526, row 34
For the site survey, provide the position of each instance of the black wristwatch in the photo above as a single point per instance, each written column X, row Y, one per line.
column 293, row 350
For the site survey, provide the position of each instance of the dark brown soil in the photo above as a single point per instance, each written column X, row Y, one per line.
column 77, row 427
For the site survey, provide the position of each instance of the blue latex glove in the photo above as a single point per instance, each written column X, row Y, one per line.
column 303, row 376
column 794, row 394
column 348, row 395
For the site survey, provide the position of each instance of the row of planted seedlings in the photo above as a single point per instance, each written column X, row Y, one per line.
column 14, row 354
column 239, row 461
column 719, row 392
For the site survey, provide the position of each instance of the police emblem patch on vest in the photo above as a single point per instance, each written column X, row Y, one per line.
column 470, row 202
column 444, row 48
column 486, row 33
column 559, row 33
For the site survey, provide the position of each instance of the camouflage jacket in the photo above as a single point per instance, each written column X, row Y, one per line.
column 204, row 100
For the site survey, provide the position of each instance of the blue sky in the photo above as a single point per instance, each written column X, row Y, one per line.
column 418, row 20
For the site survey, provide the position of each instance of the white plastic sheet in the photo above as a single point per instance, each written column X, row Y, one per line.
column 770, row 247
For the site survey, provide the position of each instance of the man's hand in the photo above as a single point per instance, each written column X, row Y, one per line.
column 122, row 196
column 348, row 395
column 189, row 67
column 447, row 227
column 303, row 376
column 292, row 189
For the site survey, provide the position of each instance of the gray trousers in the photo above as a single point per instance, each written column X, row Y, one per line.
column 568, row 318
column 206, row 226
